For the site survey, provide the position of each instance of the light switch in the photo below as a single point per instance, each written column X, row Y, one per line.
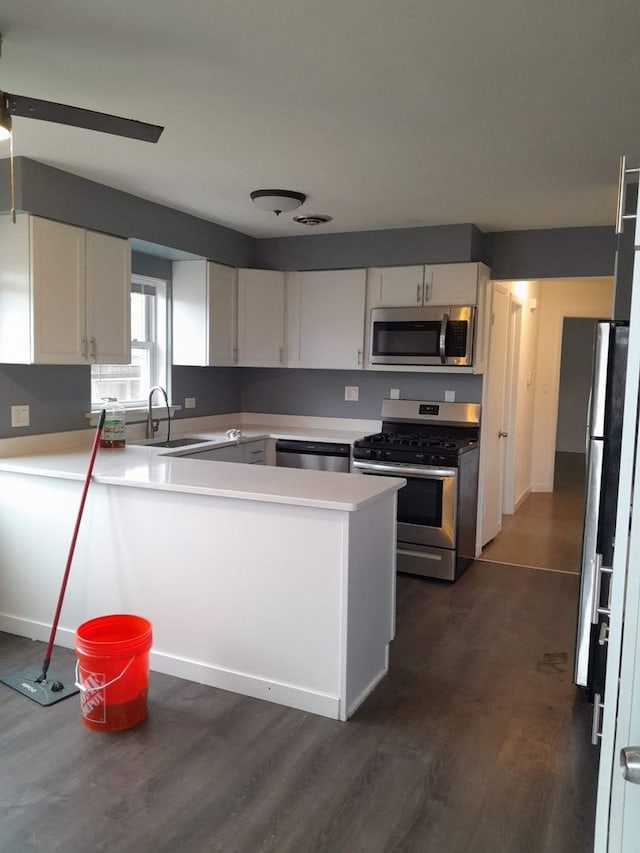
column 351, row 393
column 189, row 402
column 394, row 394
column 19, row 416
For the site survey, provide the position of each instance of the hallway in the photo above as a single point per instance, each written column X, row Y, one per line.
column 546, row 530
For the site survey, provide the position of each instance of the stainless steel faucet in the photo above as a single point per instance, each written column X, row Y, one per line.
column 151, row 429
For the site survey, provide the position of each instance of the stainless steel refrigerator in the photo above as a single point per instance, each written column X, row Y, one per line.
column 604, row 434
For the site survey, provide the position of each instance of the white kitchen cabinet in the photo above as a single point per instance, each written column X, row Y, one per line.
column 255, row 452
column 451, row 284
column 204, row 313
column 325, row 313
column 64, row 294
column 261, row 318
column 433, row 284
column 395, row 286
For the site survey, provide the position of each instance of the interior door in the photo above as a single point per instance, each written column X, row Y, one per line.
column 493, row 415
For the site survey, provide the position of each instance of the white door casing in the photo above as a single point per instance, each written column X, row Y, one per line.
column 493, row 444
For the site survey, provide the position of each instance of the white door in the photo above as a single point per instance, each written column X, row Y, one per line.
column 492, row 427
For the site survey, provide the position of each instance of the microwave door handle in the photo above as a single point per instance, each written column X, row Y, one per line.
column 443, row 338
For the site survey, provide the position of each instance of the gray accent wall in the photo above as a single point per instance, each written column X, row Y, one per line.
column 393, row 247
column 151, row 266
column 58, row 397
column 320, row 393
column 217, row 390
column 551, row 253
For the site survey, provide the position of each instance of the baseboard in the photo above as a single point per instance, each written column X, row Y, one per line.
column 200, row 672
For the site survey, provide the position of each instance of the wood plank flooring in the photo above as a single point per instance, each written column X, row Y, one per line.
column 476, row 742
column 546, row 530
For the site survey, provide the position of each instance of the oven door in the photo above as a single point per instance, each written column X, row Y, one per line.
column 427, row 506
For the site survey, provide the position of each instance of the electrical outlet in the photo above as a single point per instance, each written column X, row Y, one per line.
column 351, row 393
column 189, row 402
column 449, row 396
column 394, row 394
column 19, row 416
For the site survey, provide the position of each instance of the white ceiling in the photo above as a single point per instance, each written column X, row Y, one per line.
column 510, row 114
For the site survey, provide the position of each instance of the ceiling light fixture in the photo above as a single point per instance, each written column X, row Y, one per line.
column 277, row 201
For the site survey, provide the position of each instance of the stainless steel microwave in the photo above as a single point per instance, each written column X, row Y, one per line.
column 429, row 335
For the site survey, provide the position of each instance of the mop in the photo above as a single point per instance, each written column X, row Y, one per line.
column 41, row 687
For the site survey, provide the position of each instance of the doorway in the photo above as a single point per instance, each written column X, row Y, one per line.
column 542, row 514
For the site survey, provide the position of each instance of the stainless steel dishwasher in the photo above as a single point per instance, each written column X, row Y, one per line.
column 314, row 455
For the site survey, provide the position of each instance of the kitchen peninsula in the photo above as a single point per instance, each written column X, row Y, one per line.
column 272, row 582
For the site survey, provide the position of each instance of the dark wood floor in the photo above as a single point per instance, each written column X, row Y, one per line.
column 476, row 742
column 546, row 530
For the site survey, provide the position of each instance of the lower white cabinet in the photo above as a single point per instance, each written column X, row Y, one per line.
column 325, row 318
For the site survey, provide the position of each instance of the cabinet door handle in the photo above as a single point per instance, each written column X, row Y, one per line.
column 235, row 355
column 359, row 357
column 603, row 635
column 280, row 355
column 598, row 705
column 94, row 349
column 418, row 294
column 85, row 349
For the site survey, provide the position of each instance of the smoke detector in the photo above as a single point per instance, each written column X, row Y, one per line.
column 312, row 219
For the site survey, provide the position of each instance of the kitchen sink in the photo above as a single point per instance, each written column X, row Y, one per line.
column 174, row 442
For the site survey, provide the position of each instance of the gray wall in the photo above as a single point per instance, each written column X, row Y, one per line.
column 551, row 253
column 57, row 396
column 575, row 382
column 320, row 393
column 394, row 247
column 217, row 390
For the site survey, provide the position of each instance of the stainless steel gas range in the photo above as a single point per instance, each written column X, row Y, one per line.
column 434, row 446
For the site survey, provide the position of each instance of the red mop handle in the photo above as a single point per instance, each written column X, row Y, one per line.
column 72, row 547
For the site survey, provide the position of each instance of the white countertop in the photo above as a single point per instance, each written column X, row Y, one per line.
column 149, row 467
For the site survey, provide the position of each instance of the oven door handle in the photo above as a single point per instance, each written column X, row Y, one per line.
column 443, row 338
column 427, row 473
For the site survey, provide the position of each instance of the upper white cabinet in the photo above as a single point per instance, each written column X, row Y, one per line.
column 64, row 294
column 433, row 284
column 261, row 318
column 325, row 318
column 395, row 286
column 204, row 313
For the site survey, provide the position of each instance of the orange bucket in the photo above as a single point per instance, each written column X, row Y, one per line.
column 112, row 672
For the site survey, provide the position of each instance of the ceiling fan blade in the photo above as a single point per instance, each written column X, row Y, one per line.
column 18, row 105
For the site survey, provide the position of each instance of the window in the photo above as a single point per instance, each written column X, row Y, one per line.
column 130, row 383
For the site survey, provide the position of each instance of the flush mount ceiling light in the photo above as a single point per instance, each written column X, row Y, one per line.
column 277, row 201
column 312, row 219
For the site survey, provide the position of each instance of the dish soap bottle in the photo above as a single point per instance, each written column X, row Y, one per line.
column 114, row 423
